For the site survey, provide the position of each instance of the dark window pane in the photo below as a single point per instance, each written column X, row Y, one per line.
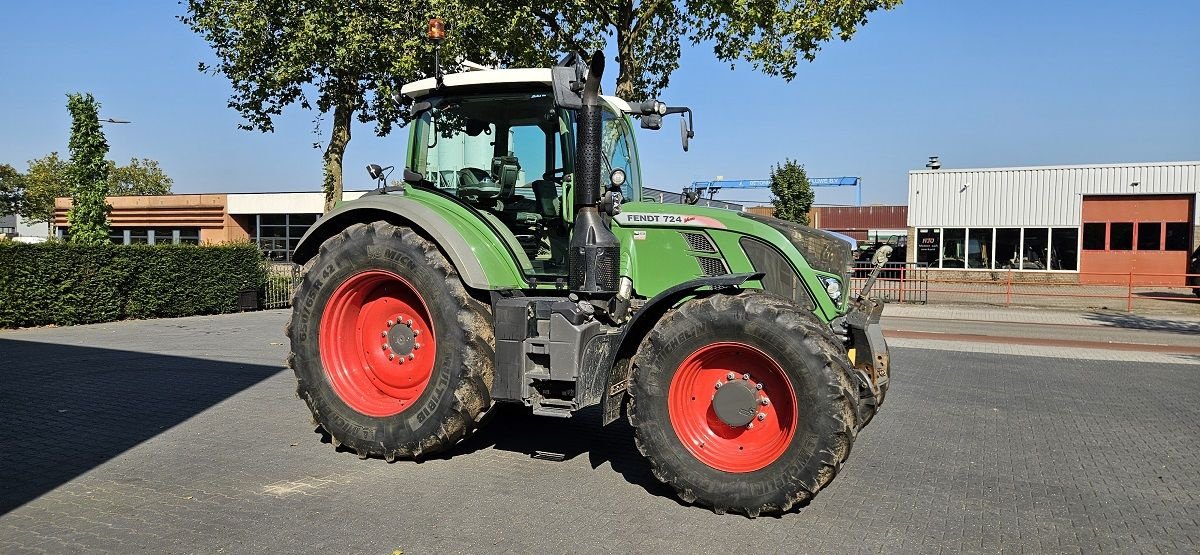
column 164, row 236
column 303, row 219
column 1093, row 236
column 139, row 236
column 1008, row 248
column 1064, row 248
column 954, row 248
column 1149, row 236
column 1120, row 236
column 1034, row 257
column 1177, row 236
column 273, row 219
column 979, row 248
column 929, row 243
column 272, row 231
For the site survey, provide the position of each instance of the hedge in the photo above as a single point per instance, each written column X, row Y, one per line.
column 61, row 283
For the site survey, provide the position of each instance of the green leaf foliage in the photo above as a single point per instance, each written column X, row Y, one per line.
column 12, row 190
column 88, row 217
column 792, row 193
column 347, row 58
column 46, row 178
column 140, row 177
column 65, row 283
column 772, row 36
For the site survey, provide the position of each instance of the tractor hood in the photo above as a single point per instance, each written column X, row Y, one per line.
column 646, row 214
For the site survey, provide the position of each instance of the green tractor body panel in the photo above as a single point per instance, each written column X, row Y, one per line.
column 663, row 245
column 481, row 255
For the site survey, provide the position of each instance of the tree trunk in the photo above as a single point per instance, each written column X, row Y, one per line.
column 334, row 152
column 625, row 62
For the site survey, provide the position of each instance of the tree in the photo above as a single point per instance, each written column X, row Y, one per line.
column 88, row 217
column 46, row 179
column 348, row 57
column 772, row 36
column 140, row 177
column 12, row 190
column 793, row 194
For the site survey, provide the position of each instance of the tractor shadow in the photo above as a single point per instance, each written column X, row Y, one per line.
column 1136, row 322
column 512, row 428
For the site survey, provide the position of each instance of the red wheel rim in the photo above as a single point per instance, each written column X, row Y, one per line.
column 377, row 343
column 716, row 443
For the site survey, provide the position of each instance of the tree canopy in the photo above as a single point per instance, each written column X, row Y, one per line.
column 772, row 36
column 88, row 217
column 346, row 58
column 12, row 190
column 792, row 194
column 140, row 177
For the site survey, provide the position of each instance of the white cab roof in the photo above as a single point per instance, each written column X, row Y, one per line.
column 494, row 76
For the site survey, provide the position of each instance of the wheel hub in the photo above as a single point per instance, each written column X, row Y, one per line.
column 401, row 339
column 736, row 404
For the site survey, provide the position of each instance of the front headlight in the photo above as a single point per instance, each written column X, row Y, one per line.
column 833, row 287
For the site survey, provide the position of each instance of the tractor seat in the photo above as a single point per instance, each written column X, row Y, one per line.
column 545, row 196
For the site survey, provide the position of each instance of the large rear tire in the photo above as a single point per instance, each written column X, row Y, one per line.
column 391, row 354
column 777, row 429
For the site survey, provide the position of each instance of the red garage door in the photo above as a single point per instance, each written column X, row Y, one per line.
column 1149, row 234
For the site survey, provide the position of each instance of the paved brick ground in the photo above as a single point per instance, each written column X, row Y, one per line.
column 184, row 436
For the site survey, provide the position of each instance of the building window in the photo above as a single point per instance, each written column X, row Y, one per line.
column 1093, row 236
column 1149, row 236
column 954, row 248
column 189, row 236
column 1035, row 242
column 278, row 234
column 1008, row 248
column 1120, row 236
column 1177, row 236
column 979, row 248
column 929, row 245
column 1064, row 248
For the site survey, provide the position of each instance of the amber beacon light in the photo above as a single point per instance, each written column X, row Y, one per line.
column 437, row 29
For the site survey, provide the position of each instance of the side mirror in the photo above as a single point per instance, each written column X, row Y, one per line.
column 375, row 171
column 684, row 133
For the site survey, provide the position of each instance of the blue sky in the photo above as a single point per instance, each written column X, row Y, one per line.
column 978, row 83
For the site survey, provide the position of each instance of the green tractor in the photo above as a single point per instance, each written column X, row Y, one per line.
column 519, row 263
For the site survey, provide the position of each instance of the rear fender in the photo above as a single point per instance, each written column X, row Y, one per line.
column 476, row 252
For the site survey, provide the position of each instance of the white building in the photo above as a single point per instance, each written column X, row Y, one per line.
column 1097, row 222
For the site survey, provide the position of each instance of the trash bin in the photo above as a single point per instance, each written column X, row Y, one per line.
column 248, row 300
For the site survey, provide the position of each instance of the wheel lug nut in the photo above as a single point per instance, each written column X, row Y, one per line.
column 729, row 376
column 416, row 332
column 758, row 386
column 390, row 323
column 383, row 334
column 745, row 376
column 401, row 360
column 416, row 345
column 385, row 347
column 719, row 384
column 765, row 401
column 761, row 417
column 411, row 356
column 391, row 356
column 409, row 322
column 750, row 426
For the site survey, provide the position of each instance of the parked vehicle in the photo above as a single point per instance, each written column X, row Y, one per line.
column 509, row 268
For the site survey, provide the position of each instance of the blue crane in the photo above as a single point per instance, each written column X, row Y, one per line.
column 698, row 187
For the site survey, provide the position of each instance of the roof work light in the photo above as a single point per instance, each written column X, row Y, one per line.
column 437, row 29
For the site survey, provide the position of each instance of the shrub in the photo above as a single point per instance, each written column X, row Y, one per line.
column 62, row 283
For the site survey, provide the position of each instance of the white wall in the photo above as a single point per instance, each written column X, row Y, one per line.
column 1036, row 196
column 281, row 203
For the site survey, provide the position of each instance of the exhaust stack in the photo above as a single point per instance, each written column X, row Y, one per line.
column 595, row 253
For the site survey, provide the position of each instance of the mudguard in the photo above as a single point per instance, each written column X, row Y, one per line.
column 618, row 374
column 481, row 258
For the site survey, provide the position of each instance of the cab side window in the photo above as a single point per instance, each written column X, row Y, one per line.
column 620, row 153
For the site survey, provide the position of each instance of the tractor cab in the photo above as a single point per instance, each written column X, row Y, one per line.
column 498, row 141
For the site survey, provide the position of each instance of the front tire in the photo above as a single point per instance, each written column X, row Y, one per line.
column 391, row 354
column 777, row 429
